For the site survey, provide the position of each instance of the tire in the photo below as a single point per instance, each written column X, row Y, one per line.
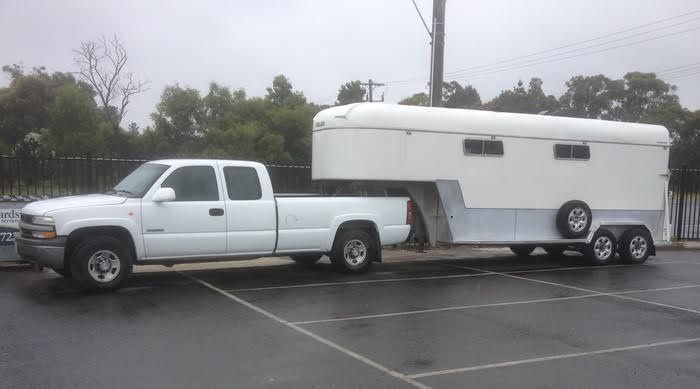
column 574, row 219
column 307, row 259
column 101, row 263
column 555, row 251
column 635, row 245
column 65, row 272
column 522, row 251
column 601, row 250
column 353, row 251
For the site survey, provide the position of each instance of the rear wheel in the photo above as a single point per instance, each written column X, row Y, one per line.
column 635, row 245
column 522, row 251
column 306, row 260
column 101, row 263
column 353, row 251
column 601, row 250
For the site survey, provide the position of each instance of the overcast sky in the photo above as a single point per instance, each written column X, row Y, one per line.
column 321, row 44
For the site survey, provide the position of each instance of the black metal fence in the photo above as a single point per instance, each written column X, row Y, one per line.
column 684, row 201
column 63, row 176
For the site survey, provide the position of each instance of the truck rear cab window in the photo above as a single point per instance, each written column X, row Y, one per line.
column 483, row 147
column 575, row 152
column 193, row 183
column 242, row 183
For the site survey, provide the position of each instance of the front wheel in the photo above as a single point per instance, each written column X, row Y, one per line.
column 353, row 251
column 101, row 263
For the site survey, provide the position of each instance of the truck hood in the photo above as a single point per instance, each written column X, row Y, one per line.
column 44, row 206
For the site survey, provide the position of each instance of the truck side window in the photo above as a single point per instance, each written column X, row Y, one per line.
column 576, row 152
column 193, row 183
column 242, row 183
column 483, row 147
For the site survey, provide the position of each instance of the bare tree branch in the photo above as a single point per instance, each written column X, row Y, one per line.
column 102, row 64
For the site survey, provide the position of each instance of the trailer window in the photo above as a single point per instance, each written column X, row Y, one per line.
column 576, row 152
column 483, row 147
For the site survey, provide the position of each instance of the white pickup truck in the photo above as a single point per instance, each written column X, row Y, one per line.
column 176, row 211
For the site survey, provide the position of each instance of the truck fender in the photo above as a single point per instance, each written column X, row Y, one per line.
column 126, row 224
column 339, row 220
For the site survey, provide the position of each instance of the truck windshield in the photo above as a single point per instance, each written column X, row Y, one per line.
column 139, row 181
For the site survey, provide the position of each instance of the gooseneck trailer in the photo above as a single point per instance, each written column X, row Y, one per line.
column 518, row 180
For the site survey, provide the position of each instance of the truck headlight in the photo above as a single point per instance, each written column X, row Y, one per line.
column 43, row 234
column 43, row 220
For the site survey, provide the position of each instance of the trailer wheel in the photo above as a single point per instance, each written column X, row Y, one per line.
column 635, row 245
column 574, row 219
column 353, row 251
column 307, row 259
column 101, row 263
column 522, row 251
column 601, row 250
column 555, row 251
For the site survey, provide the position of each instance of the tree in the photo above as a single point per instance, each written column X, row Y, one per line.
column 455, row 95
column 593, row 97
column 26, row 104
column 178, row 121
column 421, row 99
column 521, row 100
column 281, row 93
column 644, row 93
column 351, row 92
column 102, row 64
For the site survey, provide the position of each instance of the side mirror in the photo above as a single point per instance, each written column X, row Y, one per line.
column 164, row 194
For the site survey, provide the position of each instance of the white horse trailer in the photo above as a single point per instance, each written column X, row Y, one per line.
column 518, row 180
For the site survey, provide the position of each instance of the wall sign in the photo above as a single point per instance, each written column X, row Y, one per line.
column 9, row 227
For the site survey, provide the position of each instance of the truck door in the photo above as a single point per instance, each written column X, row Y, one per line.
column 194, row 224
column 251, row 209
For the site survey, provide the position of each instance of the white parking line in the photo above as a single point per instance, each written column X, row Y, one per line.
column 456, row 308
column 357, row 282
column 483, row 273
column 617, row 295
column 502, row 304
column 553, row 358
column 310, row 334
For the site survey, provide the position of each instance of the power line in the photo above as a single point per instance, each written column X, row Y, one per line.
column 417, row 79
column 579, row 42
column 553, row 56
column 683, row 76
column 500, row 70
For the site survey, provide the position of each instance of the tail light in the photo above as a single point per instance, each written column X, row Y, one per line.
column 409, row 212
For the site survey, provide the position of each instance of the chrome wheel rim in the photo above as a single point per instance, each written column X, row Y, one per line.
column 104, row 266
column 638, row 247
column 355, row 253
column 578, row 219
column 603, row 247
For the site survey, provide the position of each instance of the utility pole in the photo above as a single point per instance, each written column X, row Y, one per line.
column 438, row 53
column 370, row 86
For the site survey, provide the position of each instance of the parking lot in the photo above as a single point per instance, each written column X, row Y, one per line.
column 489, row 320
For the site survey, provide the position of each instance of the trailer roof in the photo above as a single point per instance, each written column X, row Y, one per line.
column 476, row 122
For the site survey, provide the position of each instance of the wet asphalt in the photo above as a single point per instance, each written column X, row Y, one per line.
column 495, row 321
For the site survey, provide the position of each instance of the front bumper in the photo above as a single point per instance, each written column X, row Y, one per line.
column 45, row 252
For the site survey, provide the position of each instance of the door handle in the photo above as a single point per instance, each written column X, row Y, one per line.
column 216, row 211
